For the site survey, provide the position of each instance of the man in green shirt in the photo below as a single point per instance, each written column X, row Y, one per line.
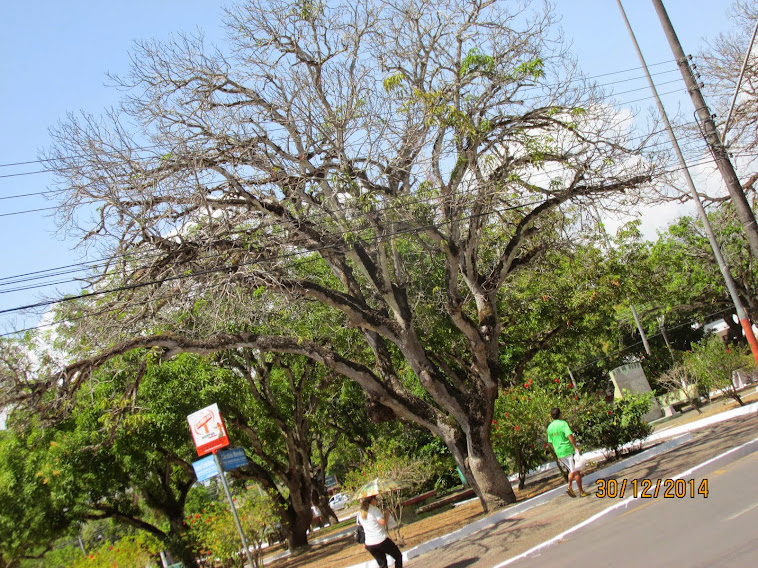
column 560, row 435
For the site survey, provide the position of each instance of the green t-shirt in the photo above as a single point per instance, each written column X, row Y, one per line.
column 557, row 434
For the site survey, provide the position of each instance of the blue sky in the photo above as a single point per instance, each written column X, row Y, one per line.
column 54, row 57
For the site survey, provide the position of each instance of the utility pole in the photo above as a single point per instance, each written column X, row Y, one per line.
column 728, row 280
column 645, row 344
column 712, row 137
column 662, row 327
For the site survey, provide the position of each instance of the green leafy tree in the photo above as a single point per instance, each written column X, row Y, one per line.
column 713, row 364
column 132, row 467
column 33, row 514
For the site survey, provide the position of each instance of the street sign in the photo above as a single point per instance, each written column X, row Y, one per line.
column 205, row 468
column 233, row 458
column 330, row 481
column 208, row 430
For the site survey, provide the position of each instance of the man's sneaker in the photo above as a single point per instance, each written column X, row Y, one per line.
column 584, row 494
column 570, row 492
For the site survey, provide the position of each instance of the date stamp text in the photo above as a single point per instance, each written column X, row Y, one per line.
column 651, row 488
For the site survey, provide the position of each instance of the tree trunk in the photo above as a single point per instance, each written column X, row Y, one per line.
column 477, row 461
column 492, row 485
column 297, row 523
column 176, row 545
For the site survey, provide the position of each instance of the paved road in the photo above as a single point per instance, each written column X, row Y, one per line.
column 719, row 530
column 649, row 532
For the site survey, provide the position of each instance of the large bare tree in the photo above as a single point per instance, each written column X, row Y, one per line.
column 722, row 60
column 395, row 162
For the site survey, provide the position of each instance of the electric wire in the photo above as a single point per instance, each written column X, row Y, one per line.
column 91, row 265
column 689, row 136
column 376, row 238
column 69, row 269
column 536, row 97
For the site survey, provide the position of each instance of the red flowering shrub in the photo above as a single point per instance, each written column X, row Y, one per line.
column 522, row 414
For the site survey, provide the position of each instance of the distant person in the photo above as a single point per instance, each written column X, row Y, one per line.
column 378, row 543
column 317, row 520
column 562, row 438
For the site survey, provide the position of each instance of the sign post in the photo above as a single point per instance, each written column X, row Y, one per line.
column 234, row 510
column 209, row 435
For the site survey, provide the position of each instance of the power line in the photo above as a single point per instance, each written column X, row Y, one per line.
column 46, row 160
column 5, row 281
column 257, row 261
column 376, row 238
column 74, row 268
column 640, row 137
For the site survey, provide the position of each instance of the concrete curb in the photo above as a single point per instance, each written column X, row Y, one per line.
column 677, row 436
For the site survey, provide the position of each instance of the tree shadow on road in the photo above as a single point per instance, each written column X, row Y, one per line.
column 462, row 563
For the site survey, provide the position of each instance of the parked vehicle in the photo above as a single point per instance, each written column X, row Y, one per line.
column 338, row 501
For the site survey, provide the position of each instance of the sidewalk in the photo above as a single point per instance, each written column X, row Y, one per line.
column 667, row 437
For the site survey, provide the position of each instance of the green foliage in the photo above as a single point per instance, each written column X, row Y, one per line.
column 391, row 463
column 477, row 62
column 393, row 81
column 410, row 472
column 533, row 69
column 129, row 552
column 522, row 414
column 611, row 429
column 712, row 364
column 213, row 530
column 559, row 315
column 34, row 511
column 60, row 557
column 308, row 10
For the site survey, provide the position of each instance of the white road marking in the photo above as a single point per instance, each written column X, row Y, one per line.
column 623, row 503
column 750, row 508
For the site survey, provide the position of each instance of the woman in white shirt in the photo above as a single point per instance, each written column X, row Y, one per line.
column 374, row 524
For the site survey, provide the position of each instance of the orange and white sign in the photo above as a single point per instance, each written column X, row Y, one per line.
column 208, row 430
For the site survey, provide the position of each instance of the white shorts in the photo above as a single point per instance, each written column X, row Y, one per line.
column 568, row 461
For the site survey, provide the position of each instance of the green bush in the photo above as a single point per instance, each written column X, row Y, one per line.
column 130, row 552
column 215, row 533
column 611, row 428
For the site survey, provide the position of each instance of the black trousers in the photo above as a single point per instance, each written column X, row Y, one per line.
column 386, row 548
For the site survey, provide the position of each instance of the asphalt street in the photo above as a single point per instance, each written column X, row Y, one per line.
column 685, row 530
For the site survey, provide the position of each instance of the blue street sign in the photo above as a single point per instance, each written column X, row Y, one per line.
column 233, row 458
column 205, row 468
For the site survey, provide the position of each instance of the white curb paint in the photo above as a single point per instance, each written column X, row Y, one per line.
column 625, row 503
column 751, row 408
